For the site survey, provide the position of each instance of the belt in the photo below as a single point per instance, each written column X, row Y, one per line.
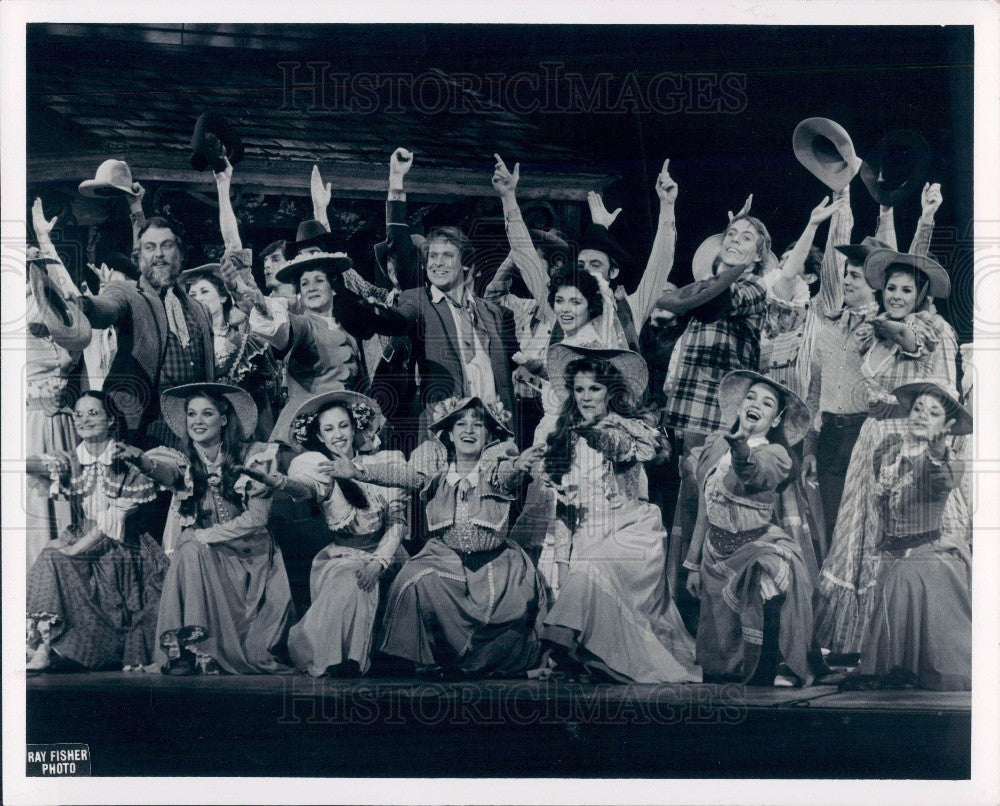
column 843, row 420
column 893, row 543
column 726, row 542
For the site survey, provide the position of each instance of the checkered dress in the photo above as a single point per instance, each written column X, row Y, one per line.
column 706, row 351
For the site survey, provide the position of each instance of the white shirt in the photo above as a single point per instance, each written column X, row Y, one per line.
column 477, row 371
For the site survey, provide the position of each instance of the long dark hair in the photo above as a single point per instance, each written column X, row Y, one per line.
column 776, row 436
column 233, row 446
column 561, row 442
column 353, row 493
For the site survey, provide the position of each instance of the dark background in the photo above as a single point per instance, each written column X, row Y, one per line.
column 870, row 80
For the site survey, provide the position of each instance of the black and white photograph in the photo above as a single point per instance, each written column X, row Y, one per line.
column 566, row 404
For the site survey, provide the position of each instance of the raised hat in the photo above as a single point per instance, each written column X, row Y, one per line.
column 897, row 167
column 63, row 321
column 214, row 137
column 112, row 178
column 825, row 149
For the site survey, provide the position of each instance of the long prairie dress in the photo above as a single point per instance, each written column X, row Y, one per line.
column 847, row 578
column 340, row 622
column 613, row 610
column 226, row 573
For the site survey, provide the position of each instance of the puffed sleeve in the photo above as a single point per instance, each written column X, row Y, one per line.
column 428, row 460
column 497, row 464
column 923, row 326
column 623, row 439
column 304, row 469
column 757, row 469
column 397, row 514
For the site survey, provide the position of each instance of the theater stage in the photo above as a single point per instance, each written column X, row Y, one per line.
column 153, row 725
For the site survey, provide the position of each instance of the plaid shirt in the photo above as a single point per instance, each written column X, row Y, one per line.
column 706, row 351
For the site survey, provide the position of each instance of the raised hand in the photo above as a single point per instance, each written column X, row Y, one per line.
column 744, row 210
column 599, row 213
column 42, row 227
column 930, row 199
column 505, row 182
column 399, row 164
column 226, row 174
column 666, row 187
column 319, row 191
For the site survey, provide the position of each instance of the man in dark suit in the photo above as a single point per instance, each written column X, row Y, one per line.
column 164, row 337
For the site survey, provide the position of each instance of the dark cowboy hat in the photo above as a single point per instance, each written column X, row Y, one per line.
column 897, row 168
column 312, row 233
column 734, row 387
column 89, row 276
column 122, row 263
column 333, row 263
column 681, row 300
column 214, row 138
column 857, row 253
column 825, row 149
column 630, row 364
column 113, row 178
column 444, row 409
column 600, row 240
column 367, row 415
column 172, row 405
column 198, row 272
column 879, row 262
column 64, row 322
column 907, row 394
column 382, row 248
column 552, row 241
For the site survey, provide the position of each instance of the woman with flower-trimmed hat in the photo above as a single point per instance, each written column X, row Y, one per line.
column 367, row 523
column 226, row 592
column 921, row 631
column 613, row 616
column 747, row 571
column 469, row 604
column 907, row 342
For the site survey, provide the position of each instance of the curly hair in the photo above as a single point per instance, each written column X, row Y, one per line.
column 920, row 280
column 232, row 449
column 352, row 492
column 582, row 281
column 562, row 441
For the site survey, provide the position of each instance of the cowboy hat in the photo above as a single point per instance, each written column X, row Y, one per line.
column 733, row 389
column 312, row 233
column 366, row 412
column 825, row 149
column 705, row 255
column 630, row 364
column 879, row 262
column 172, row 405
column 123, row 264
column 909, row 392
column 857, row 253
column 681, row 300
column 190, row 275
column 112, row 178
column 599, row 239
column 65, row 322
column 444, row 409
column 898, row 148
column 382, row 248
column 214, row 138
column 552, row 241
column 332, row 263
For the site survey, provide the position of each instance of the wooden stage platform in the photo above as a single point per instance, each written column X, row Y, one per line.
column 153, row 725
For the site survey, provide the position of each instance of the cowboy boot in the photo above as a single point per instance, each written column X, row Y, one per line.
column 179, row 660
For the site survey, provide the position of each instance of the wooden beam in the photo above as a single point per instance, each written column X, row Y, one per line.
column 348, row 179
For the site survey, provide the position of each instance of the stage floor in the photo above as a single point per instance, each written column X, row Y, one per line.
column 154, row 725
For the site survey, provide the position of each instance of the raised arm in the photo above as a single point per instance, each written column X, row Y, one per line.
column 136, row 215
column 886, row 231
column 43, row 233
column 790, row 273
column 397, row 227
column 757, row 469
column 661, row 255
column 930, row 201
column 320, row 195
column 831, row 279
column 228, row 224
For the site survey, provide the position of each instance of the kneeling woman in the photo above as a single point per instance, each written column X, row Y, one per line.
column 741, row 564
column 367, row 523
column 226, row 589
column 922, row 624
column 613, row 614
column 93, row 593
column 470, row 603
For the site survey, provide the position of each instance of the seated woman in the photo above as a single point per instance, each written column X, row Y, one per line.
column 92, row 594
column 226, row 590
column 470, row 603
column 746, row 569
column 613, row 614
column 367, row 524
column 922, row 623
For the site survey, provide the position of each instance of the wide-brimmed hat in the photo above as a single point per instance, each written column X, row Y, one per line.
column 382, row 248
column 172, row 405
column 112, row 178
column 312, row 233
column 857, row 253
column 733, row 389
column 825, row 149
column 65, row 323
column 442, row 410
column 600, row 240
column 552, row 240
column 630, row 364
column 333, row 263
column 121, row 263
column 214, row 137
column 198, row 272
column 366, row 412
column 708, row 251
column 879, row 261
column 681, row 300
column 954, row 410
column 897, row 168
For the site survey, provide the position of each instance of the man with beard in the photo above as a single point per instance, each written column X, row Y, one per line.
column 164, row 337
